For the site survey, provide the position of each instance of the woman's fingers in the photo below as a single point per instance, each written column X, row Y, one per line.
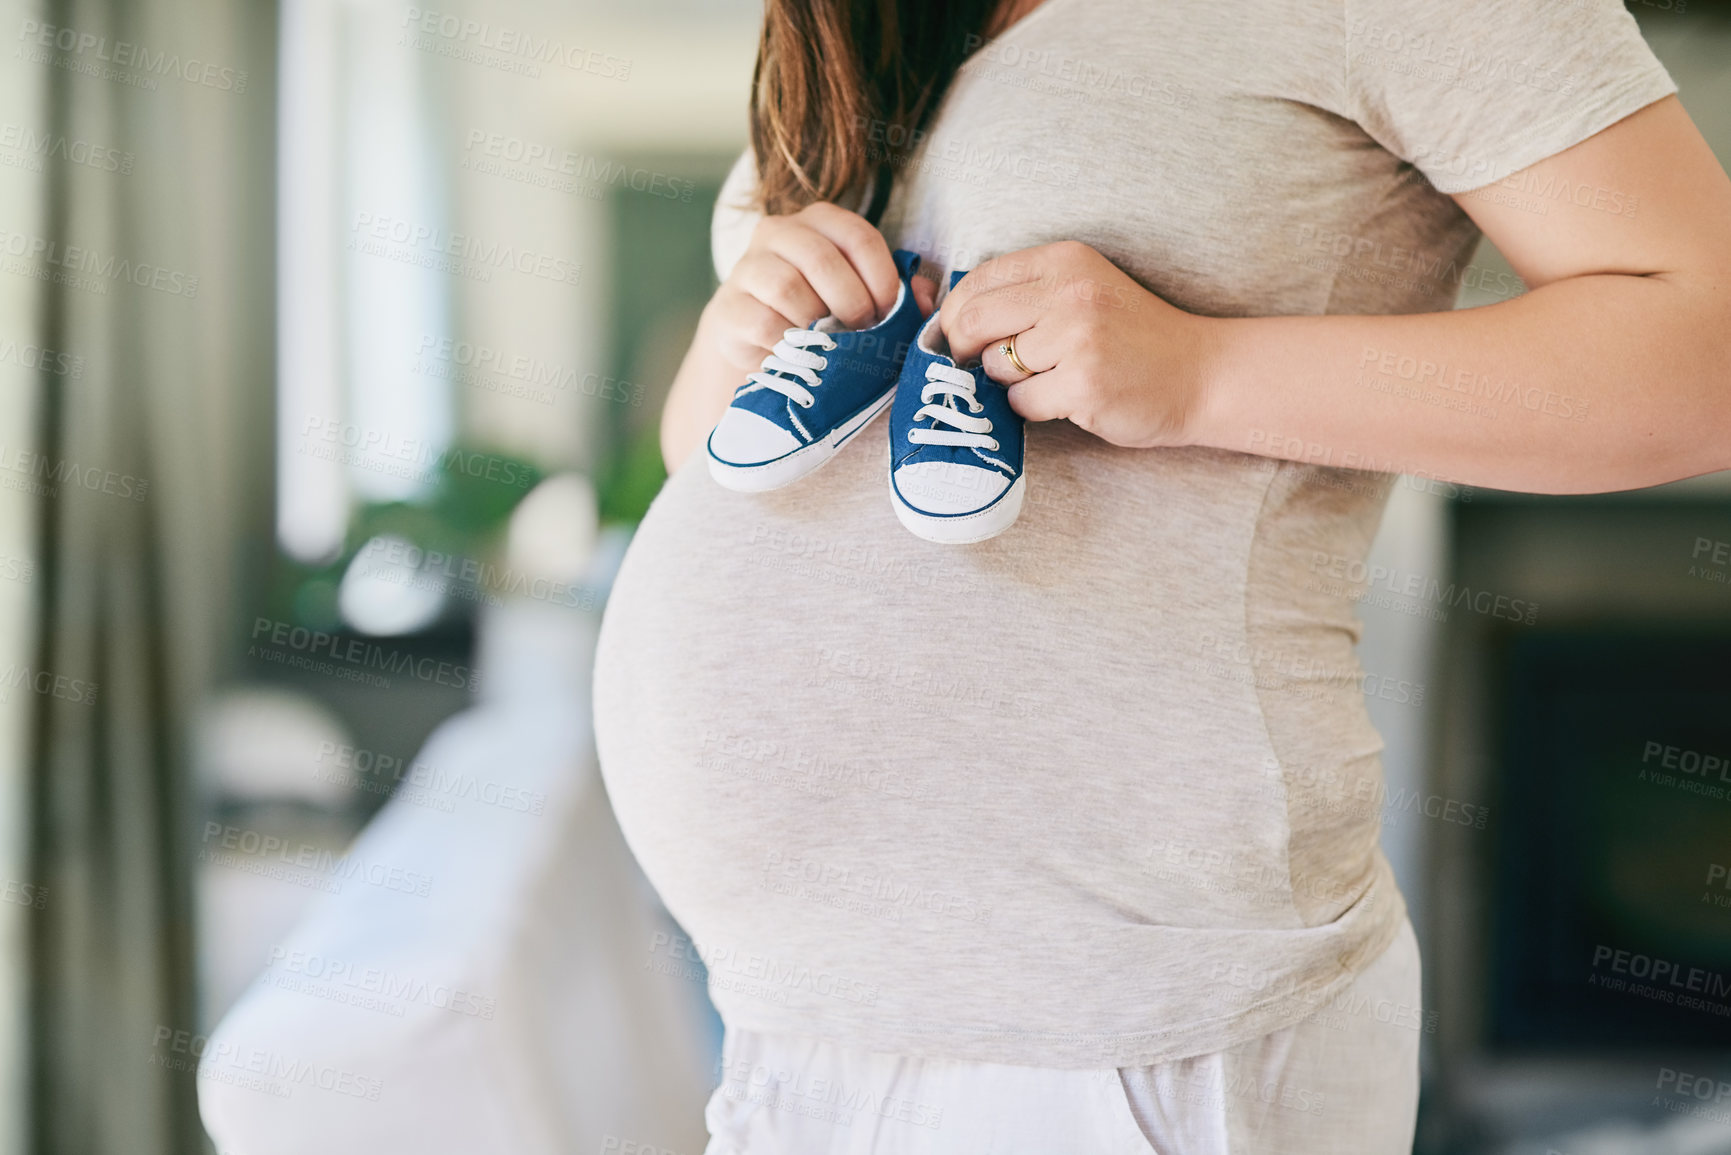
column 1034, row 347
column 862, row 245
column 827, row 271
column 1045, row 396
column 779, row 284
column 1013, row 292
column 746, row 329
column 822, row 260
column 973, row 320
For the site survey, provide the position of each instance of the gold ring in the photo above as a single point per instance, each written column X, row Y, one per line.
column 1008, row 349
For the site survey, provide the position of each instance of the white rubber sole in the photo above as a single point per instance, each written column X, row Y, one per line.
column 789, row 469
column 963, row 529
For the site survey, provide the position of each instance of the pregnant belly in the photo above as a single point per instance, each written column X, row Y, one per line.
column 805, row 714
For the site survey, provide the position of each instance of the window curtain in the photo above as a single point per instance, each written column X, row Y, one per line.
column 154, row 476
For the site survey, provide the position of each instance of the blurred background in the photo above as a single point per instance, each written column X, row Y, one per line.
column 333, row 335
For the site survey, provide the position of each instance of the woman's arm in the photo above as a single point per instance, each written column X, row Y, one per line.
column 1613, row 372
column 701, row 390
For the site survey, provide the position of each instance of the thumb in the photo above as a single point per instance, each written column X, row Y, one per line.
column 925, row 294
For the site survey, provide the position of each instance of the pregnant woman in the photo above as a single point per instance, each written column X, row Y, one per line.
column 1067, row 841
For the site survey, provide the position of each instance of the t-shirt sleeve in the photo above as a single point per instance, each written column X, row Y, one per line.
column 1469, row 91
column 735, row 218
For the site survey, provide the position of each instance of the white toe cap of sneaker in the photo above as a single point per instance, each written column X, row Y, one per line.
column 746, row 438
column 948, row 487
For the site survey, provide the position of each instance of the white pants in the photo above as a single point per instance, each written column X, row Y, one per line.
column 1345, row 1079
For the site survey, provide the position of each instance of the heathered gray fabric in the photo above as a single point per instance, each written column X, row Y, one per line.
column 1101, row 791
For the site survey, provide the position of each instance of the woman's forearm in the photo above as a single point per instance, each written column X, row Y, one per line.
column 1588, row 384
column 701, row 390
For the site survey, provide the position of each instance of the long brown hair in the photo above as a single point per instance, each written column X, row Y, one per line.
column 844, row 89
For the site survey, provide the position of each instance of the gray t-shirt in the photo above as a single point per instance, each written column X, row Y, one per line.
column 1101, row 791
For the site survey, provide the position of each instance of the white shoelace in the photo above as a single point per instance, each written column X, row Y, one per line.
column 948, row 382
column 792, row 354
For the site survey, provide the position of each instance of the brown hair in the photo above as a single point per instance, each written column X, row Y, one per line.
column 843, row 91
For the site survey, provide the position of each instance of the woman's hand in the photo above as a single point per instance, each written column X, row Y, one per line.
column 1106, row 353
column 821, row 261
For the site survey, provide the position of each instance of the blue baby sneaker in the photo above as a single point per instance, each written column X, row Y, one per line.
column 955, row 446
column 817, row 388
